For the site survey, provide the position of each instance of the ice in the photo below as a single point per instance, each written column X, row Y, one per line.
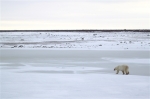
column 131, row 60
column 74, row 86
column 73, row 74
column 62, row 65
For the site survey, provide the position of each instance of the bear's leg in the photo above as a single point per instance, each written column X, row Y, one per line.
column 117, row 71
column 123, row 72
column 127, row 73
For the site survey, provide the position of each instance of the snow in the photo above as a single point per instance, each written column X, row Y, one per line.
column 125, row 60
column 76, row 40
column 74, row 86
column 60, row 65
column 73, row 74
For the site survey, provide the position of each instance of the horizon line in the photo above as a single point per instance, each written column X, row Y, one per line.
column 78, row 30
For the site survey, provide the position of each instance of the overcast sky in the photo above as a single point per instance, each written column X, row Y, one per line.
column 74, row 14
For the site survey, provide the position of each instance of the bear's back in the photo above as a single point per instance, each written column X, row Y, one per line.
column 123, row 67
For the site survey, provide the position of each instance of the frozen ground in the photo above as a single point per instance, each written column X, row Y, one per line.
column 76, row 40
column 73, row 74
column 78, row 65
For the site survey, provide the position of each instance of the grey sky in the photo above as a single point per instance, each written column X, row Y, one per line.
column 75, row 14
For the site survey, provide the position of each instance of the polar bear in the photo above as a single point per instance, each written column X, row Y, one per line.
column 123, row 68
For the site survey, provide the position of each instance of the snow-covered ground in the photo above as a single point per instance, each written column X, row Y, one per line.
column 73, row 86
column 74, row 65
column 76, row 40
column 73, row 74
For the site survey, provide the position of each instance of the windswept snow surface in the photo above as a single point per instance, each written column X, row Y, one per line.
column 73, row 86
column 74, row 65
column 73, row 74
column 76, row 40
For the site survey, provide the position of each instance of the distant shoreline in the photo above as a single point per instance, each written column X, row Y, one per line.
column 84, row 30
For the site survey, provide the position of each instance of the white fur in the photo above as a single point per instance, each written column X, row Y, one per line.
column 123, row 68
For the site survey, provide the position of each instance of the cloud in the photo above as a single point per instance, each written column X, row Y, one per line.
column 76, row 14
